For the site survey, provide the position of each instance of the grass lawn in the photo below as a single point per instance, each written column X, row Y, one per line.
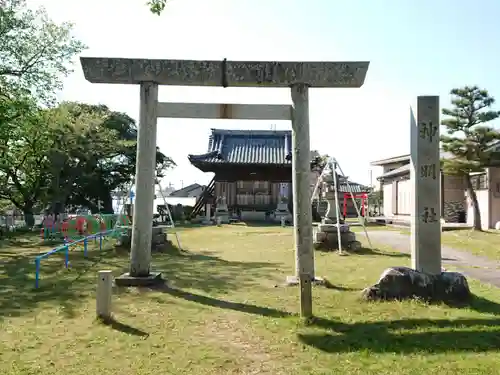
column 226, row 312
column 486, row 243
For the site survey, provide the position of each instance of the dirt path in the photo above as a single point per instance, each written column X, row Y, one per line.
column 480, row 268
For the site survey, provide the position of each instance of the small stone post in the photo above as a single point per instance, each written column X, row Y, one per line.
column 425, row 177
column 208, row 214
column 142, row 223
column 301, row 167
column 104, row 293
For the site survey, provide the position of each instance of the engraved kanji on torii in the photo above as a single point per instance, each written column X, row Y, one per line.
column 224, row 73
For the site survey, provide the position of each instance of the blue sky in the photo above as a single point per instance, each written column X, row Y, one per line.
column 414, row 47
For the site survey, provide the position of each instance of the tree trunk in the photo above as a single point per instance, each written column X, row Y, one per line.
column 29, row 218
column 475, row 204
column 107, row 204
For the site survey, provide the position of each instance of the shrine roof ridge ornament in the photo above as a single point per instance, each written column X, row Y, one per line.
column 224, row 73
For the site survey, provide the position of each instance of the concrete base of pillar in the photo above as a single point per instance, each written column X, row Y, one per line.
column 294, row 281
column 126, row 280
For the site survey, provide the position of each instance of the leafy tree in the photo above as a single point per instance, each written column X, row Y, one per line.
column 103, row 159
column 35, row 53
column 23, row 162
column 376, row 200
column 157, row 6
column 74, row 154
column 467, row 139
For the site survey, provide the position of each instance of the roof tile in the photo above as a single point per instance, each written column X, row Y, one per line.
column 247, row 147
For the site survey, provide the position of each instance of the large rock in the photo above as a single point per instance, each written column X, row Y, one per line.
column 405, row 283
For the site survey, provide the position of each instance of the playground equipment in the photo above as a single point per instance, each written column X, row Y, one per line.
column 83, row 242
column 76, row 227
column 78, row 231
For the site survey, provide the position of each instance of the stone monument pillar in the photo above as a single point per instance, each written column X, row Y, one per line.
column 208, row 214
column 425, row 176
column 221, row 211
column 282, row 212
column 426, row 280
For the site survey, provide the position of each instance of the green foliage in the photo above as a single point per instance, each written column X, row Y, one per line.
column 22, row 159
column 35, row 53
column 471, row 144
column 107, row 157
column 157, row 6
column 467, row 139
column 376, row 198
column 70, row 154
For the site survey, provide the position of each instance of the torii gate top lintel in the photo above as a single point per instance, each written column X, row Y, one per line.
column 224, row 73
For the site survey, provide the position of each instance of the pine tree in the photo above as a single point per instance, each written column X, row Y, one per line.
column 468, row 139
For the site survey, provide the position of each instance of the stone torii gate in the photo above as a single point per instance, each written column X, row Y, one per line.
column 298, row 76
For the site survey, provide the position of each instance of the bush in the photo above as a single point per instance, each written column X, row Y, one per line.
column 187, row 211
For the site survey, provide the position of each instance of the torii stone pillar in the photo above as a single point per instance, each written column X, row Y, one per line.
column 296, row 75
column 145, row 173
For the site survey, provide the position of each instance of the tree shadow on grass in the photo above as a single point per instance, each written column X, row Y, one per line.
column 377, row 252
column 64, row 287
column 124, row 328
column 480, row 304
column 367, row 251
column 260, row 224
column 223, row 304
column 411, row 335
column 67, row 288
column 8, row 238
column 442, row 336
column 207, row 272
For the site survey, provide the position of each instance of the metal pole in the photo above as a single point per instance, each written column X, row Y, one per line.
column 169, row 215
column 336, row 192
column 301, row 165
column 355, row 205
column 318, row 181
column 367, row 214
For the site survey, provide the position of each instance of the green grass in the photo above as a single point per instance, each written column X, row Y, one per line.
column 486, row 244
column 226, row 312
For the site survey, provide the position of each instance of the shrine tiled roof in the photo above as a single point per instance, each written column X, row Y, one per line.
column 247, row 147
